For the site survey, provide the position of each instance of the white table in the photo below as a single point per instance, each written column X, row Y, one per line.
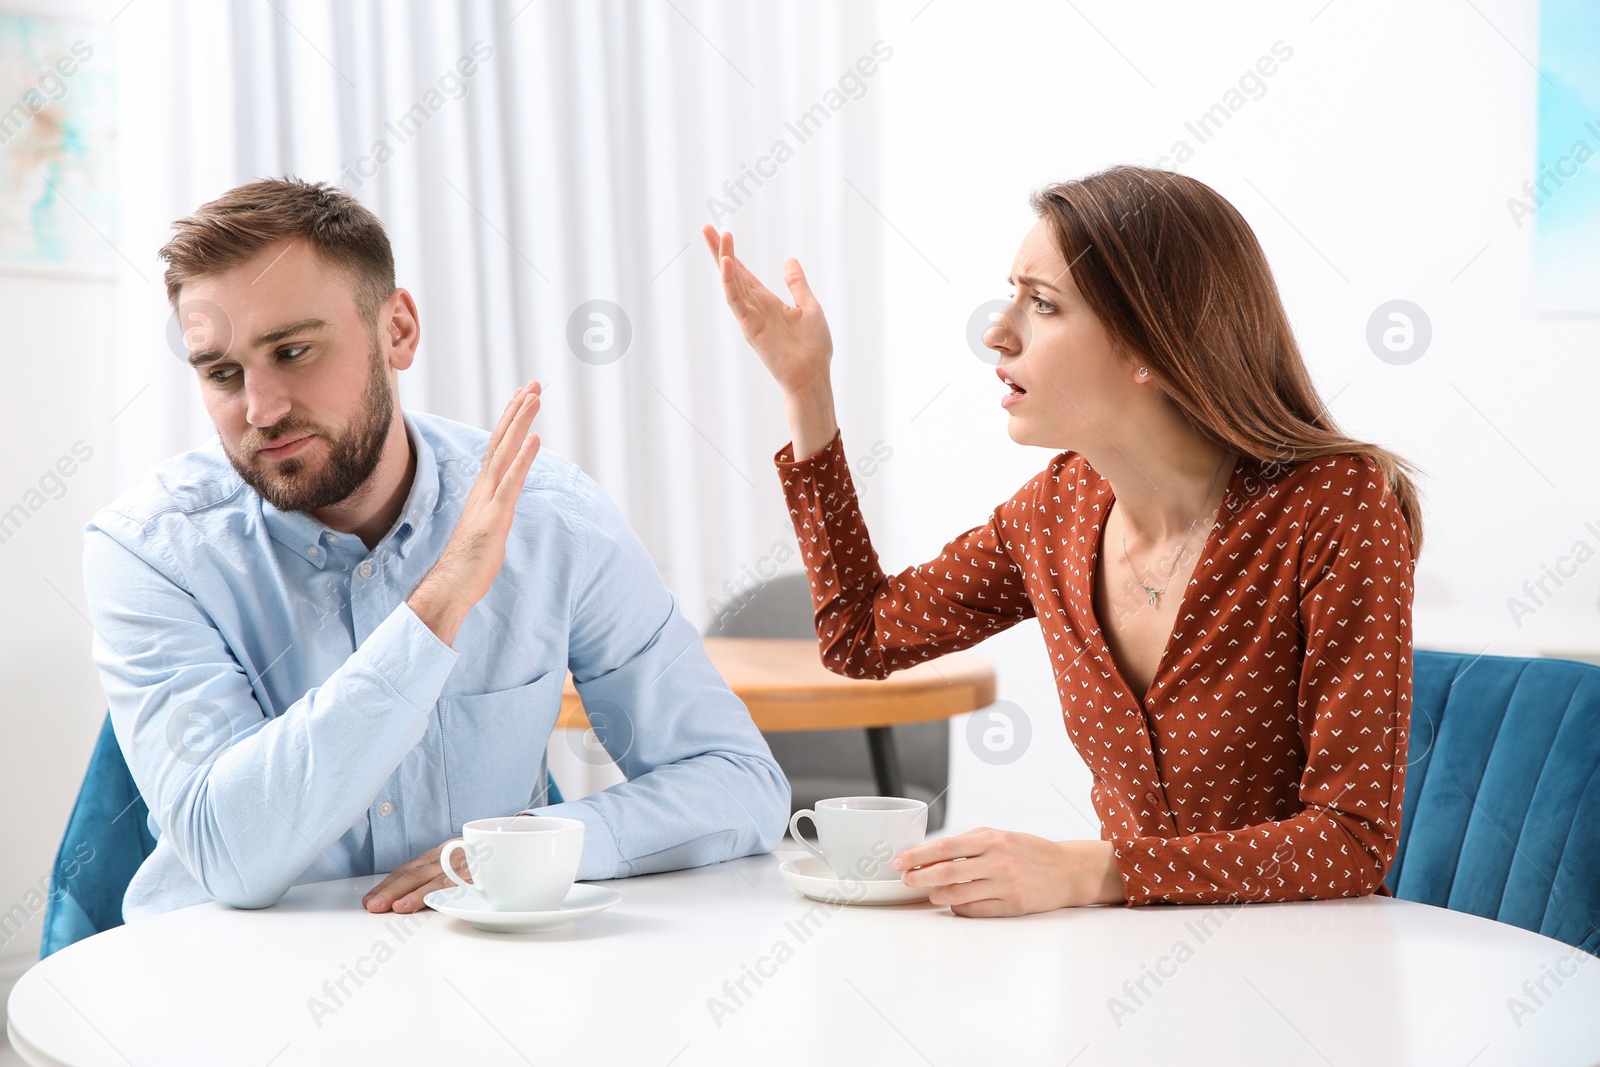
column 1349, row 982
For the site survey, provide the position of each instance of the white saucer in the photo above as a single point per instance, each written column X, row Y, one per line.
column 816, row 879
column 468, row 904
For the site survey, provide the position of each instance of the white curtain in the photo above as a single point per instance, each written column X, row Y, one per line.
column 576, row 162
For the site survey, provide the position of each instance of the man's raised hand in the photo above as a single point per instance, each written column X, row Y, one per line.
column 477, row 549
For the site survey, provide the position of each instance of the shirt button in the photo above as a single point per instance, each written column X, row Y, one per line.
column 386, row 808
column 365, row 570
column 313, row 551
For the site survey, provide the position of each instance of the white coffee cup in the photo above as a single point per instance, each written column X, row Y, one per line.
column 859, row 836
column 518, row 863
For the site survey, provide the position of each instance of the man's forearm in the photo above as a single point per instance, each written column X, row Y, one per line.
column 707, row 808
column 267, row 811
column 440, row 607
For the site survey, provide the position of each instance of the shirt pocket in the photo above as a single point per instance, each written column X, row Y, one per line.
column 494, row 747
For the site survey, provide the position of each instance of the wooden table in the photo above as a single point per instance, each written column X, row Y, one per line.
column 786, row 687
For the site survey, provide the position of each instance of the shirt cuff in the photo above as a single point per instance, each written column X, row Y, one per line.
column 601, row 857
column 404, row 652
column 1137, row 888
column 823, row 459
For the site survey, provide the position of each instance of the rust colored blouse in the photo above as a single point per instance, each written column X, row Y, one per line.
column 1267, row 760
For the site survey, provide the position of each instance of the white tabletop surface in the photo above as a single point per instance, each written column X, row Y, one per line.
column 1348, row 982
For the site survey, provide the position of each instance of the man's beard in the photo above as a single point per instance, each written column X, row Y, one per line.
column 352, row 455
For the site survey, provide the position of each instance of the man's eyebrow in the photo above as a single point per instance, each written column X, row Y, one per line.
column 277, row 333
column 1029, row 280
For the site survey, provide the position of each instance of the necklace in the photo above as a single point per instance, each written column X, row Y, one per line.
column 1151, row 591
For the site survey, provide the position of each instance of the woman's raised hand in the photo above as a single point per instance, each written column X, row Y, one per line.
column 793, row 342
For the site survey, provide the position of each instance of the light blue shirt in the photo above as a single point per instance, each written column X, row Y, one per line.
column 289, row 719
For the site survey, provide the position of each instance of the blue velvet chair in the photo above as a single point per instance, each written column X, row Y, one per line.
column 1502, row 804
column 108, row 836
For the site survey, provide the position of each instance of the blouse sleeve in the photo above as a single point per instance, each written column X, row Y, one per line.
column 871, row 625
column 1354, row 698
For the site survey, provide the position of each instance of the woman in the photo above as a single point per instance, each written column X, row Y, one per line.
column 1223, row 578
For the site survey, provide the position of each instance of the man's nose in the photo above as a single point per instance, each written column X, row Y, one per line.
column 266, row 401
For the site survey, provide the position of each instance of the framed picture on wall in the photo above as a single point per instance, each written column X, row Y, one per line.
column 57, row 145
column 1562, row 199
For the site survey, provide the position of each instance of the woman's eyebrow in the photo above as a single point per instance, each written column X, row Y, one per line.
column 1029, row 280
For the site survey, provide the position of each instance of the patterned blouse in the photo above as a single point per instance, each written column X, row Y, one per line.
column 1267, row 759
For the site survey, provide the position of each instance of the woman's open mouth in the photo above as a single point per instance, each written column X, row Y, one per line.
column 1017, row 391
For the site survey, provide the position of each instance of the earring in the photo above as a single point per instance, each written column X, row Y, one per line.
column 1144, row 372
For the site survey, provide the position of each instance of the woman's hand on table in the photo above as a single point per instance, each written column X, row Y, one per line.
column 985, row 873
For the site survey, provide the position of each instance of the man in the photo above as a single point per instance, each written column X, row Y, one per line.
column 337, row 632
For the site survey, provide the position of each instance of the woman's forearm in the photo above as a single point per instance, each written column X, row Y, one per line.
column 812, row 421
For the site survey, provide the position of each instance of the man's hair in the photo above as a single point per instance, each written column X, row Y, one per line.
column 238, row 224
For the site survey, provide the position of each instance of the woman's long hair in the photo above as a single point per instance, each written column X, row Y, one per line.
column 1176, row 276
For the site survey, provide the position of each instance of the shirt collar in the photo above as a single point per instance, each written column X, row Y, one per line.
column 310, row 539
column 424, row 495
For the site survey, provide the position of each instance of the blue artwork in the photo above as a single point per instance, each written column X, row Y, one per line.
column 1563, row 197
column 57, row 135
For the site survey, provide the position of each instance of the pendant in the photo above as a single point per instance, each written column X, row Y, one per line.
column 1152, row 593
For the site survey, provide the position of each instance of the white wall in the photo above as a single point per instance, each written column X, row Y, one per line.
column 1390, row 141
column 52, row 395
column 53, row 705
